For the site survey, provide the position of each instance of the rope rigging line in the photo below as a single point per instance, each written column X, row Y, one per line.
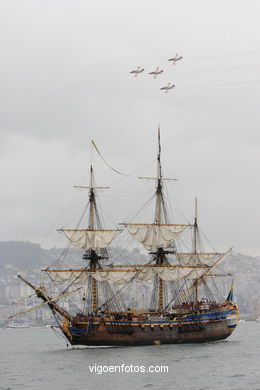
column 109, row 166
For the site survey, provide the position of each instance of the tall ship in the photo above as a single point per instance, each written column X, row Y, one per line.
column 182, row 302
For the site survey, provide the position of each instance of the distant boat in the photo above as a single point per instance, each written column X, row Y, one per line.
column 13, row 325
column 180, row 308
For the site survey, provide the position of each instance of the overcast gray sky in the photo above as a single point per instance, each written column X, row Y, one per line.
column 64, row 67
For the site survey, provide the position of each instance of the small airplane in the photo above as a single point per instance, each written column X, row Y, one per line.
column 167, row 87
column 175, row 59
column 156, row 72
column 137, row 71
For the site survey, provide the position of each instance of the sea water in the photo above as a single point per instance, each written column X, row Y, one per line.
column 37, row 359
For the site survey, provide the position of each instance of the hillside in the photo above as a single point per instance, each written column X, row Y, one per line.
column 29, row 259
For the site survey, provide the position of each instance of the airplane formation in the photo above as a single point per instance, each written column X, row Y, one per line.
column 159, row 71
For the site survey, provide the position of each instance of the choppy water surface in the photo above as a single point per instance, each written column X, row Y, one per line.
column 37, row 359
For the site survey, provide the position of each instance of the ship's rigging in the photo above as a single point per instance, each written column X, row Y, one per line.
column 176, row 282
column 157, row 238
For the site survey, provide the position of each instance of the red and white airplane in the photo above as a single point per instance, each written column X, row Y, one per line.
column 137, row 71
column 167, row 87
column 175, row 59
column 156, row 72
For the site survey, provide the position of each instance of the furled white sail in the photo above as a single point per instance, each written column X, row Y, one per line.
column 125, row 276
column 90, row 239
column 165, row 273
column 114, row 277
column 196, row 258
column 170, row 274
column 154, row 236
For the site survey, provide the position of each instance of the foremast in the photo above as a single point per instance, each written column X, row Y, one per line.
column 160, row 258
column 93, row 240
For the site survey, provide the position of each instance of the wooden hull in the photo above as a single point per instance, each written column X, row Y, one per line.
column 108, row 333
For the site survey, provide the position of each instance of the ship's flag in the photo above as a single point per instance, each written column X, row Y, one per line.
column 230, row 296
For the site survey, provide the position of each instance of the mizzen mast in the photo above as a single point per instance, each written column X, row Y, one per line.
column 195, row 228
column 194, row 249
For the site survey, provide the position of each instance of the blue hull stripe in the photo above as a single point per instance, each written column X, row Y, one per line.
column 191, row 318
column 200, row 317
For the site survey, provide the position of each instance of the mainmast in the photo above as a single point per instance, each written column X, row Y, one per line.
column 159, row 184
column 160, row 256
column 158, row 236
column 92, row 257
